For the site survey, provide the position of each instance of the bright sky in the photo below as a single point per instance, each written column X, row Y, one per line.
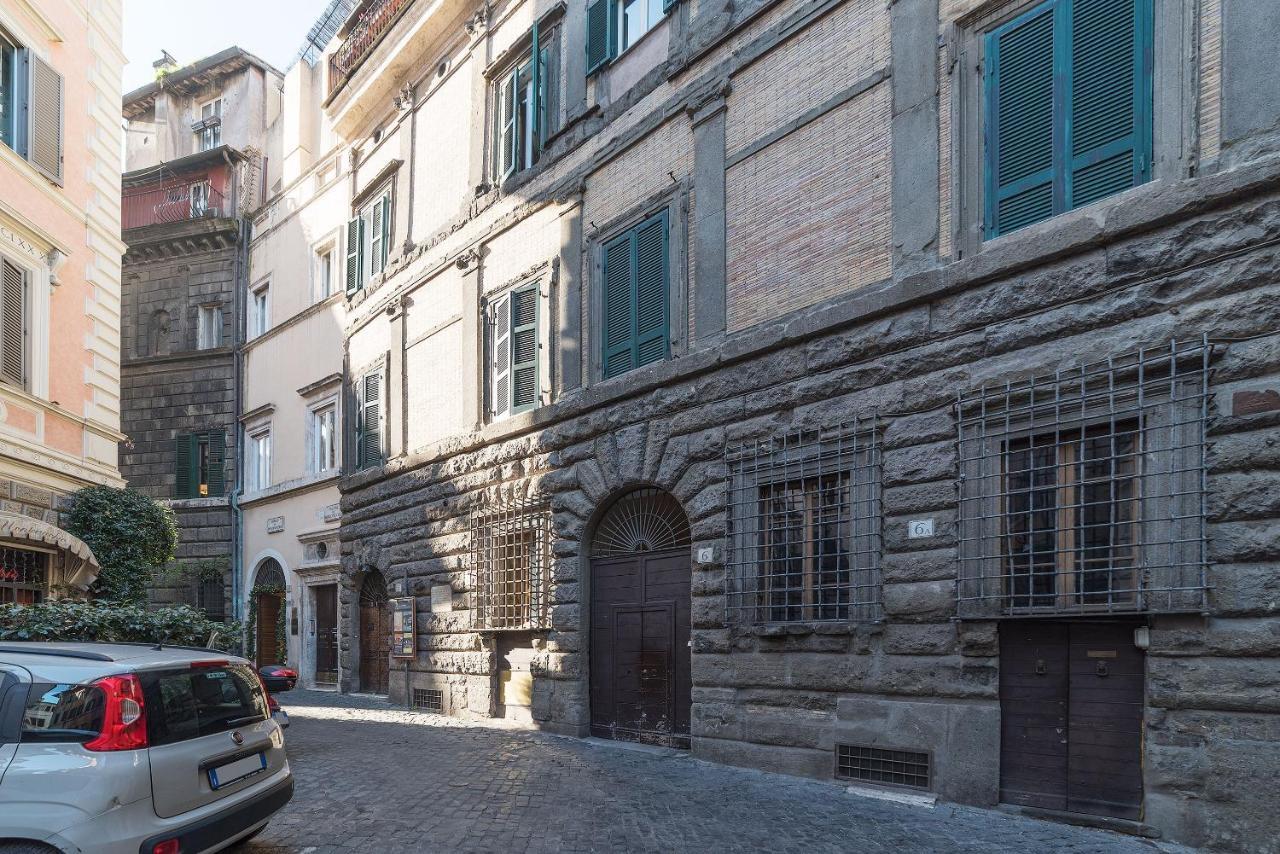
column 194, row 29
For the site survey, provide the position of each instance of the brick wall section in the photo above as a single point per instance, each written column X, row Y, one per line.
column 808, row 217
column 1210, row 78
column 845, row 46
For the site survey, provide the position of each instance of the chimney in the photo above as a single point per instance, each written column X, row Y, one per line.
column 165, row 63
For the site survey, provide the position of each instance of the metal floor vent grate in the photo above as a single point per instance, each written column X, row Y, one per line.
column 428, row 699
column 879, row 765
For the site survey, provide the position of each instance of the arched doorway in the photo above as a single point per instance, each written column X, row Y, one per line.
column 266, row 602
column 375, row 633
column 640, row 680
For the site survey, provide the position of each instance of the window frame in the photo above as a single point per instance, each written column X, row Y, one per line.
column 315, row 414
column 360, row 240
column 620, row 30
column 323, row 287
column 257, row 465
column 201, row 465
column 1175, row 100
column 209, row 325
column 358, row 407
column 260, row 313
column 209, row 137
column 501, row 405
column 534, row 125
column 11, row 582
column 17, row 93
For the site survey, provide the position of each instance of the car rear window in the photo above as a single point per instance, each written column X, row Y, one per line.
column 62, row 713
column 200, row 701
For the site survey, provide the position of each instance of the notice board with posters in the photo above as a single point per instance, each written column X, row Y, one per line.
column 403, row 641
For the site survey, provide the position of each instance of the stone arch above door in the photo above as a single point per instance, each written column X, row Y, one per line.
column 646, row 519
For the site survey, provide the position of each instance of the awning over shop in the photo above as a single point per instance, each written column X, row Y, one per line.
column 79, row 566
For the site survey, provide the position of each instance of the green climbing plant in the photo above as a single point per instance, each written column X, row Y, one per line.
column 131, row 536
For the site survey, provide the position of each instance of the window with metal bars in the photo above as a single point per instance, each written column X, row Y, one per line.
column 882, row 765
column 24, row 576
column 803, row 540
column 1083, row 492
column 428, row 699
column 511, row 565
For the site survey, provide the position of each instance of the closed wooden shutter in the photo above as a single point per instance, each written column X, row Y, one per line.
column 386, row 230
column 370, row 448
column 1109, row 129
column 601, row 16
column 1020, row 122
column 524, row 349
column 185, row 459
column 651, row 290
column 509, row 141
column 619, row 309
column 13, row 354
column 217, row 462
column 45, row 111
column 500, row 335
column 354, row 279
column 1068, row 98
column 377, row 233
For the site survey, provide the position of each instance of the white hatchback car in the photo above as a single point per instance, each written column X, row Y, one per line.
column 126, row 748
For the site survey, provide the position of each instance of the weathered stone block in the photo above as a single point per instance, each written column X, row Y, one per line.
column 924, row 639
column 921, row 601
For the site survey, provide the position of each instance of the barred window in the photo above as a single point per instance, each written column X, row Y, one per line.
column 803, row 540
column 1083, row 492
column 24, row 576
column 511, row 565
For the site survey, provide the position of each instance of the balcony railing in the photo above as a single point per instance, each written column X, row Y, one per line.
column 370, row 26
column 177, row 202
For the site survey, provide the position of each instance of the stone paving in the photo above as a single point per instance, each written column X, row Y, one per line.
column 374, row 778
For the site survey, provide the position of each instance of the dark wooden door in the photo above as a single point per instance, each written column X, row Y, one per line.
column 1104, row 767
column 1071, row 698
column 266, row 643
column 326, row 605
column 640, row 680
column 375, row 646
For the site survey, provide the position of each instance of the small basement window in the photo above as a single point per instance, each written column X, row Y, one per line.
column 882, row 765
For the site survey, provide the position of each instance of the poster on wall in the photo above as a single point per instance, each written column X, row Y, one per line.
column 403, row 643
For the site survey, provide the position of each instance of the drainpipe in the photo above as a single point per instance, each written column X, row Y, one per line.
column 237, row 515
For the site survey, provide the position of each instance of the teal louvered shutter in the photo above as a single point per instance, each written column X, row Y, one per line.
column 619, row 308
column 217, row 460
column 386, row 230
column 370, row 448
column 535, row 92
column 1020, row 121
column 354, row 279
column 524, row 349
column 1110, row 125
column 601, row 26
column 651, row 331
column 500, row 335
column 184, row 462
column 44, row 115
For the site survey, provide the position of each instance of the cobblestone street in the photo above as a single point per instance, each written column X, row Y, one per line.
column 373, row 778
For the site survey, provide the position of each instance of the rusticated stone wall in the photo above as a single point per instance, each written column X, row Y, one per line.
column 1180, row 261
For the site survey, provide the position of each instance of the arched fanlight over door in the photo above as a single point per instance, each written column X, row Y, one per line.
column 644, row 520
column 270, row 575
column 373, row 591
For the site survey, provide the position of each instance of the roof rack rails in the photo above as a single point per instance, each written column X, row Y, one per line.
column 162, row 645
column 65, row 653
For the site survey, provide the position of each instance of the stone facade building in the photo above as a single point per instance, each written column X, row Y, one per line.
column 883, row 392
column 195, row 151
column 59, row 284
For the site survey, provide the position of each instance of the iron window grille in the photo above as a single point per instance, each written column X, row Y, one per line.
column 24, row 576
column 511, row 565
column 882, row 765
column 1083, row 492
column 428, row 699
column 803, row 536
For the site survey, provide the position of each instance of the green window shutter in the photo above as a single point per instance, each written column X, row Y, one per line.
column 601, row 26
column 668, row 5
column 535, row 90
column 619, row 307
column 510, row 141
column 185, row 459
column 370, row 448
column 353, row 254
column 13, row 338
column 524, row 348
column 549, row 81
column 1110, row 125
column 651, row 273
column 45, row 119
column 500, row 335
column 386, row 230
column 217, row 460
column 1020, row 118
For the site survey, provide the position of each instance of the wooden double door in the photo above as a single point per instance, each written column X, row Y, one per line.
column 326, row 617
column 1071, row 706
column 267, row 630
column 640, row 679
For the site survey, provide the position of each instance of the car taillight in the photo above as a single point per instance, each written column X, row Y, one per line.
column 169, row 846
column 124, row 718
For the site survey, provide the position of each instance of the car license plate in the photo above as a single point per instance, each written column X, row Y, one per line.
column 238, row 770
